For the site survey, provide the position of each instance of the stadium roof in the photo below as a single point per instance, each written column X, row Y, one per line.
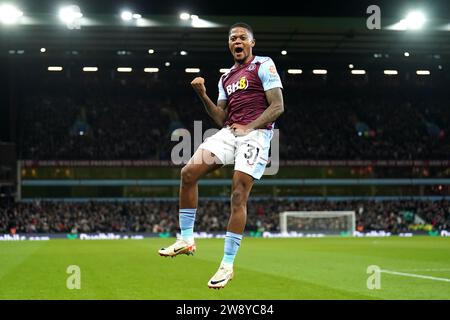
column 317, row 8
column 331, row 29
column 107, row 33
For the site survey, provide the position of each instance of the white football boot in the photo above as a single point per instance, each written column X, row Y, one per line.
column 222, row 276
column 179, row 247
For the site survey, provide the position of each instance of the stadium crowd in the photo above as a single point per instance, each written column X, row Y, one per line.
column 212, row 216
column 91, row 119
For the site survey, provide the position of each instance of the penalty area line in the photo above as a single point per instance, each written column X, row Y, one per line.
column 412, row 275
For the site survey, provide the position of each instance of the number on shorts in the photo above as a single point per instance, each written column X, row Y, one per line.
column 249, row 154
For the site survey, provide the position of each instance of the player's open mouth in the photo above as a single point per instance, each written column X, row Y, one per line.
column 238, row 50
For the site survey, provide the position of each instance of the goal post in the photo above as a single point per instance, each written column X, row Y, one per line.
column 327, row 222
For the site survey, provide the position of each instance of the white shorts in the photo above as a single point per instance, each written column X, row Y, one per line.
column 249, row 153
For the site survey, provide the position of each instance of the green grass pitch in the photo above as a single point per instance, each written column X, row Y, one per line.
column 305, row 268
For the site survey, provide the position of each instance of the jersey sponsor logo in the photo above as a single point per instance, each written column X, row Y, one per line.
column 273, row 70
column 242, row 84
column 274, row 78
column 273, row 74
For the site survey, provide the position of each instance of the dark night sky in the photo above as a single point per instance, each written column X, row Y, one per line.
column 317, row 8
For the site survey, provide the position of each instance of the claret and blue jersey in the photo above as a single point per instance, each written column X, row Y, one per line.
column 244, row 89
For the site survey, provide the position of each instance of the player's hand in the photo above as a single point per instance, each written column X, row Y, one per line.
column 198, row 84
column 240, row 129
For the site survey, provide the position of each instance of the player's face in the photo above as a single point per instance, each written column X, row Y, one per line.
column 241, row 42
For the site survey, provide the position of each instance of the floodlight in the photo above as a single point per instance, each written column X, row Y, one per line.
column 71, row 16
column 320, row 71
column 90, row 69
column 151, row 70
column 185, row 16
column 124, row 69
column 415, row 20
column 9, row 14
column 390, row 72
column 126, row 15
column 196, row 22
column 55, row 68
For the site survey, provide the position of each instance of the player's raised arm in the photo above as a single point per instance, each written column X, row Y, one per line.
column 217, row 112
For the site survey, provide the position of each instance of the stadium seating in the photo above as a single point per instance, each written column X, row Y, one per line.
column 157, row 216
column 134, row 118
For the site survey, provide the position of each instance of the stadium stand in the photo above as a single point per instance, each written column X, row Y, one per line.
column 115, row 120
column 161, row 216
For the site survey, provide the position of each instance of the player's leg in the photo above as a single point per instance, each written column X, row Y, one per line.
column 242, row 185
column 202, row 162
column 214, row 152
column 250, row 162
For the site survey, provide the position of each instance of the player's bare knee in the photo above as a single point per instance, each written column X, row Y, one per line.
column 238, row 198
column 187, row 176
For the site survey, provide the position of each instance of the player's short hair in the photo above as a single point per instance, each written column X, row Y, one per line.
column 241, row 25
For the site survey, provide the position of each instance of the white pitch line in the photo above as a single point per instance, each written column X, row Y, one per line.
column 425, row 270
column 414, row 275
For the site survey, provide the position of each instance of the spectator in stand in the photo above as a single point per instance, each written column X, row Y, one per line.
column 390, row 123
column 263, row 215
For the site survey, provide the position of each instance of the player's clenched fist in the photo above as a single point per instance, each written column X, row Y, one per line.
column 199, row 85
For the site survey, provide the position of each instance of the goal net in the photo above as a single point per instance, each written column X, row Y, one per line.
column 325, row 222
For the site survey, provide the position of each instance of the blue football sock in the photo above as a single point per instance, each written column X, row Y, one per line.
column 232, row 243
column 187, row 219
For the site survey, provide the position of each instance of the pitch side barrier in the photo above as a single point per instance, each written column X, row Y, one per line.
column 167, row 163
column 206, row 235
column 227, row 182
column 253, row 198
